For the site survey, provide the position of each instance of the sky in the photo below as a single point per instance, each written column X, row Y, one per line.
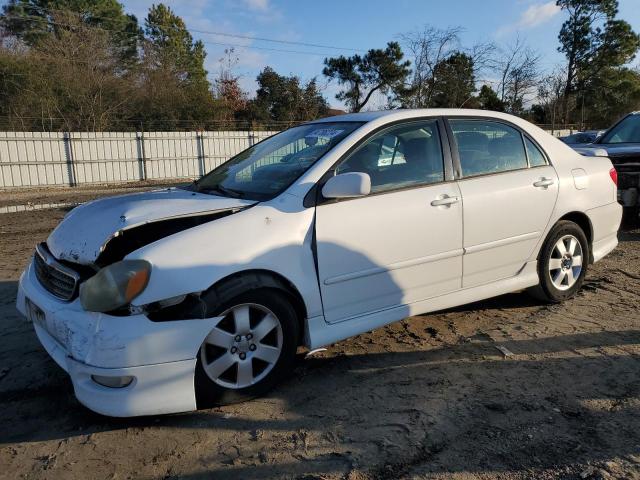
column 356, row 26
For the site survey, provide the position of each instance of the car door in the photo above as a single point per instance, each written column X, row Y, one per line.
column 508, row 189
column 401, row 243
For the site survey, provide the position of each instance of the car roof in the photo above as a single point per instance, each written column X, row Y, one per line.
column 416, row 112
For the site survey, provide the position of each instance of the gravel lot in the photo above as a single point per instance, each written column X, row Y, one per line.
column 429, row 397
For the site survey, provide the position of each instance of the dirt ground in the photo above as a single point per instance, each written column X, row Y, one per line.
column 429, row 397
column 83, row 193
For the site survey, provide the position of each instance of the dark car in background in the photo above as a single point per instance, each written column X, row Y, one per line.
column 582, row 138
column 621, row 143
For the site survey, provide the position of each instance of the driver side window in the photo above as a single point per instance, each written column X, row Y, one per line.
column 401, row 156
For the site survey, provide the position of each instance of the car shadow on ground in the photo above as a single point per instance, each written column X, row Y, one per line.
column 630, row 221
column 558, row 400
column 458, row 393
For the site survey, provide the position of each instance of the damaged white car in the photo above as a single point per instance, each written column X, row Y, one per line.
column 182, row 298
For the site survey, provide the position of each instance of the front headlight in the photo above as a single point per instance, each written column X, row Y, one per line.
column 115, row 286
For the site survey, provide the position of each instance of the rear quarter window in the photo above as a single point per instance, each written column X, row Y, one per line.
column 536, row 158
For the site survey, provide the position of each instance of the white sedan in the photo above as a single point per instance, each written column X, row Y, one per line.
column 182, row 298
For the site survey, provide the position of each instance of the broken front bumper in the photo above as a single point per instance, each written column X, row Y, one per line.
column 159, row 356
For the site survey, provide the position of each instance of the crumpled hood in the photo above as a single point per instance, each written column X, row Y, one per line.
column 87, row 228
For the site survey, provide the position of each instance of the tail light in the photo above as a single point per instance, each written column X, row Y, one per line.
column 614, row 176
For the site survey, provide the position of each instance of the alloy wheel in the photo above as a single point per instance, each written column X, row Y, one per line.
column 565, row 264
column 243, row 347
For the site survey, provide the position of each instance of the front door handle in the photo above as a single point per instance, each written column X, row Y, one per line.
column 445, row 201
column 543, row 183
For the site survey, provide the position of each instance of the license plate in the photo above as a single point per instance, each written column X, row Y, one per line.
column 35, row 314
column 38, row 317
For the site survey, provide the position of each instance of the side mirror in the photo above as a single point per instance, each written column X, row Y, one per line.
column 347, row 185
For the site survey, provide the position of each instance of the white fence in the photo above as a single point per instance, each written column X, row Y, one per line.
column 32, row 159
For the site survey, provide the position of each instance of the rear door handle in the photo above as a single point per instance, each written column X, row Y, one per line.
column 543, row 183
column 445, row 200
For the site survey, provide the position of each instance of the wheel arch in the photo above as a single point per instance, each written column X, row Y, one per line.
column 239, row 282
column 204, row 304
column 583, row 221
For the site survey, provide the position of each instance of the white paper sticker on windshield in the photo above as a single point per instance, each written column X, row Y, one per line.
column 324, row 133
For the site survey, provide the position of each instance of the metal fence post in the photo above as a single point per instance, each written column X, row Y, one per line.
column 68, row 153
column 142, row 157
column 252, row 138
column 200, row 148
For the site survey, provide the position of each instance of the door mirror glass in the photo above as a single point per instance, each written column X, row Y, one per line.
column 347, row 185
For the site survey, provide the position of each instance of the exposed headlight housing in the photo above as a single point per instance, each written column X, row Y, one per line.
column 115, row 286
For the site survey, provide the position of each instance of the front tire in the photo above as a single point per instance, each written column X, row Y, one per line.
column 249, row 351
column 562, row 263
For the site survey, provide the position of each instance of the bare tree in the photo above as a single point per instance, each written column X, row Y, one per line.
column 428, row 48
column 551, row 95
column 227, row 88
column 517, row 65
column 483, row 56
column 92, row 85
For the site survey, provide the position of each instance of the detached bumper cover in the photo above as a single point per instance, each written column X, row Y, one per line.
column 160, row 356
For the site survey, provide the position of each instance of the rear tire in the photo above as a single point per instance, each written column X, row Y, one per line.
column 250, row 350
column 562, row 263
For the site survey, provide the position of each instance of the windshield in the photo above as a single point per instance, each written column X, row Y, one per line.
column 627, row 131
column 269, row 167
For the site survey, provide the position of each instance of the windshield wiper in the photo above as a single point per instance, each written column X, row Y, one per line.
column 225, row 191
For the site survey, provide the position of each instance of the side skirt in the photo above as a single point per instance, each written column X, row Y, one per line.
column 321, row 333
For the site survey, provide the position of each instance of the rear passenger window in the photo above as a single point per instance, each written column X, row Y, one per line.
column 401, row 156
column 488, row 147
column 536, row 158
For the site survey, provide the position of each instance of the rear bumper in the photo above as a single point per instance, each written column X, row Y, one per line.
column 603, row 247
column 605, row 221
column 160, row 356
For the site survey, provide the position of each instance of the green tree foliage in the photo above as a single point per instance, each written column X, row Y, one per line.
column 456, row 81
column 174, row 47
column 33, row 21
column 283, row 99
column 63, row 67
column 174, row 91
column 593, row 41
column 488, row 99
column 377, row 71
column 72, row 76
column 166, row 101
column 615, row 91
column 87, row 65
column 73, row 80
